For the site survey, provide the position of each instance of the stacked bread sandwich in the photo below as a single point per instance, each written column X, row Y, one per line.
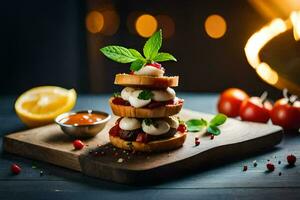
column 147, row 104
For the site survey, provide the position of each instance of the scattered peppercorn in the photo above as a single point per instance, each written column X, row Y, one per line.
column 15, row 169
column 291, row 159
column 279, row 173
column 245, row 168
column 78, row 144
column 197, row 142
column 270, row 167
column 279, row 162
column 254, row 163
column 212, row 137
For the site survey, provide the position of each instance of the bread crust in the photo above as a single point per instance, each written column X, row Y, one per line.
column 140, row 81
column 154, row 146
column 159, row 112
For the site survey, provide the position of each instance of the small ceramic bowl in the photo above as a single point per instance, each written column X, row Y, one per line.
column 82, row 131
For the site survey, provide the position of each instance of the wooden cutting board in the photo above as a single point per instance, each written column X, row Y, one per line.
column 100, row 159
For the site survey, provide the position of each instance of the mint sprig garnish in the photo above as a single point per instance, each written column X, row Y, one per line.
column 145, row 95
column 196, row 125
column 127, row 55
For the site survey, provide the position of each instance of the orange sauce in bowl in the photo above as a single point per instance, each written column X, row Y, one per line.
column 82, row 119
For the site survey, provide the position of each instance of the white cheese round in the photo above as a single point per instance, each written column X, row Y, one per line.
column 126, row 92
column 149, row 70
column 163, row 95
column 160, row 127
column 173, row 122
column 129, row 124
column 135, row 101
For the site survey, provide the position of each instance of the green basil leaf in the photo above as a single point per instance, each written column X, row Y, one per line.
column 137, row 65
column 194, row 128
column 196, row 122
column 145, row 95
column 218, row 120
column 153, row 45
column 161, row 57
column 118, row 54
column 213, row 130
column 136, row 54
column 117, row 94
column 195, row 125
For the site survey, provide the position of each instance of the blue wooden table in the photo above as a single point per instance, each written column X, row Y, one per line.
column 225, row 181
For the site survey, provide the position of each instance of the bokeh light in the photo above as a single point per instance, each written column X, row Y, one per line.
column 146, row 25
column 112, row 22
column 167, row 25
column 94, row 22
column 215, row 26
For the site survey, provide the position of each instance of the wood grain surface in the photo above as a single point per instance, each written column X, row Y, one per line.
column 100, row 159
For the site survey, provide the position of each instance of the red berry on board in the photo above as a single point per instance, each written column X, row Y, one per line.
column 181, row 128
column 270, row 167
column 291, row 159
column 197, row 142
column 15, row 169
column 245, row 168
column 78, row 144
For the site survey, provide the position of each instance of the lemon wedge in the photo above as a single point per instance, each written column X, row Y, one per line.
column 40, row 105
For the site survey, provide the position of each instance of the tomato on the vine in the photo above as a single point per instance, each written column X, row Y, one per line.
column 286, row 114
column 255, row 109
column 230, row 101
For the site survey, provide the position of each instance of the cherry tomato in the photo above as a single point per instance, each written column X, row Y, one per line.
column 230, row 101
column 78, row 144
column 255, row 110
column 181, row 128
column 115, row 131
column 286, row 114
column 142, row 137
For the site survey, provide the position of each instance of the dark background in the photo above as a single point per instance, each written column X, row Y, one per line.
column 46, row 43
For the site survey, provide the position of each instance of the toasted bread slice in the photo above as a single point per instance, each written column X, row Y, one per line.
column 155, row 146
column 130, row 111
column 146, row 81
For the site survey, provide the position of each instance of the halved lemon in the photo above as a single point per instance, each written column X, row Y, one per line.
column 40, row 105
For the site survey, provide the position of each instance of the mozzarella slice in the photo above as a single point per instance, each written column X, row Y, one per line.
column 126, row 92
column 135, row 101
column 172, row 121
column 129, row 124
column 163, row 95
column 160, row 127
column 149, row 70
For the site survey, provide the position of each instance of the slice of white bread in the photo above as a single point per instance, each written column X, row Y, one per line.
column 154, row 146
column 130, row 111
column 139, row 81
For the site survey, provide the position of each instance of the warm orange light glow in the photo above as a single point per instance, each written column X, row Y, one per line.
column 271, row 9
column 146, row 25
column 215, row 26
column 167, row 24
column 94, row 22
column 266, row 73
column 259, row 39
column 295, row 19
